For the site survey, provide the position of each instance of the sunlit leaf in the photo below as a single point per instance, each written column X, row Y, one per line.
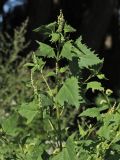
column 68, row 28
column 29, row 111
column 94, row 85
column 67, row 51
column 91, row 112
column 69, row 93
column 45, row 50
column 87, row 58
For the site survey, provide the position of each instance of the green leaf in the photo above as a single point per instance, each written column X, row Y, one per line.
column 67, row 51
column 29, row 65
column 43, row 30
column 81, row 131
column 50, row 74
column 91, row 112
column 117, row 137
column 67, row 153
column 29, row 111
column 68, row 28
column 70, row 145
column 38, row 63
column 55, row 37
column 101, row 76
column 46, row 101
column 116, row 147
column 95, row 86
column 87, row 58
column 86, row 61
column 51, row 26
column 45, row 50
column 46, row 29
column 10, row 125
column 63, row 69
column 105, row 131
column 69, row 93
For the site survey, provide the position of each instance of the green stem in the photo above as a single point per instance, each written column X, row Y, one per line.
column 59, row 128
column 53, row 128
column 51, row 94
column 58, row 110
column 107, row 99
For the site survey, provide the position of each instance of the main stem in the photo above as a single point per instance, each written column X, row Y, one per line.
column 58, row 112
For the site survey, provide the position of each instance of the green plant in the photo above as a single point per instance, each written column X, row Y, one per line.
column 12, row 74
column 40, row 129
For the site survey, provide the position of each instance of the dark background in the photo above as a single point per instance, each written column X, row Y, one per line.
column 98, row 21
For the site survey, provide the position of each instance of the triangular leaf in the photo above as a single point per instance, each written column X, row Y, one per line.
column 29, row 111
column 69, row 93
column 10, row 125
column 67, row 51
column 45, row 50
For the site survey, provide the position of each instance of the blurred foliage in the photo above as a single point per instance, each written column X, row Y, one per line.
column 12, row 74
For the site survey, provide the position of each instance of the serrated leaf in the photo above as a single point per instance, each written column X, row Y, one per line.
column 45, row 50
column 86, row 61
column 91, row 112
column 10, row 125
column 29, row 111
column 95, row 86
column 69, row 93
column 87, row 58
column 67, row 51
column 68, row 28
column 82, row 47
